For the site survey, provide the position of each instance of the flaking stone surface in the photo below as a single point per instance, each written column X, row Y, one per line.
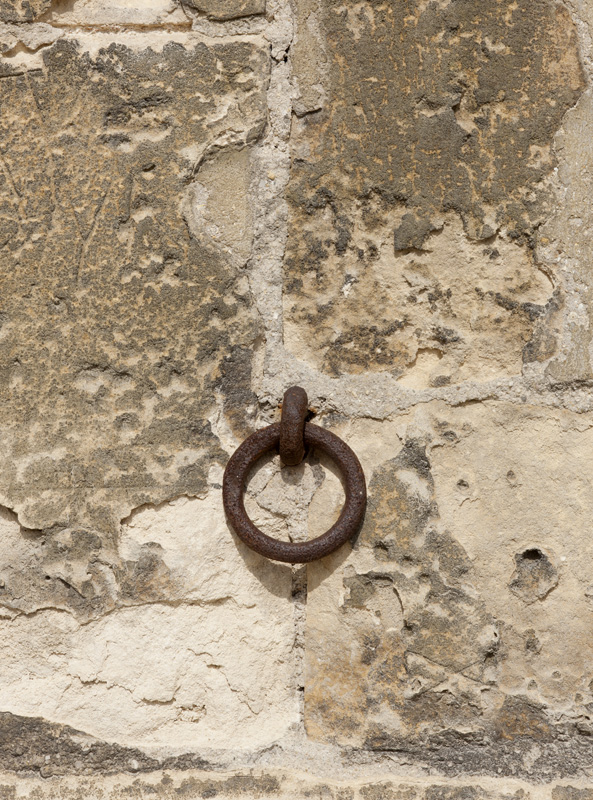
column 457, row 631
column 196, row 650
column 418, row 114
column 122, row 323
column 127, row 331
column 276, row 784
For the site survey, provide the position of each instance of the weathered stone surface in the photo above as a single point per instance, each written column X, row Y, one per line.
column 125, row 327
column 117, row 12
column 458, row 310
column 195, row 652
column 435, row 232
column 308, row 56
column 279, row 784
column 25, row 37
column 127, row 333
column 565, row 244
column 23, row 10
column 228, row 9
column 432, row 110
column 457, row 630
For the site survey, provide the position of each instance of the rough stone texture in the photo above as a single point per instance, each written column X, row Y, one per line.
column 196, row 649
column 458, row 627
column 309, row 58
column 566, row 243
column 121, row 320
column 108, row 13
column 433, row 109
column 202, row 203
column 415, row 316
column 17, row 38
column 228, row 9
column 127, row 332
column 22, row 10
column 282, row 784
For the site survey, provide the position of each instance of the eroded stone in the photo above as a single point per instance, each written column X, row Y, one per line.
column 308, row 56
column 534, row 576
column 431, row 109
column 195, row 652
column 565, row 243
column 456, row 630
column 118, row 12
column 458, row 310
column 280, row 784
column 125, row 327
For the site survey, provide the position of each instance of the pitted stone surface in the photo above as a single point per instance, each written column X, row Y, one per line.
column 456, row 630
column 456, row 311
column 431, row 109
column 124, row 329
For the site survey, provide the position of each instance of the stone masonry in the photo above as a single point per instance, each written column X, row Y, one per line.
column 387, row 202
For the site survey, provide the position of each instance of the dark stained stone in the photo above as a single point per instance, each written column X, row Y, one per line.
column 119, row 326
column 434, row 112
column 23, row 10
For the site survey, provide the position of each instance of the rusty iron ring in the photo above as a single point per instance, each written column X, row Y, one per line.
column 344, row 528
column 292, row 425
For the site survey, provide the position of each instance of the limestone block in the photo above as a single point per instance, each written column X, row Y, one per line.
column 118, row 12
column 458, row 628
column 196, row 651
column 457, row 310
column 436, row 116
column 127, row 327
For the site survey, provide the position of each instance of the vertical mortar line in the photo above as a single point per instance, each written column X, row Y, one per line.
column 270, row 174
column 566, row 254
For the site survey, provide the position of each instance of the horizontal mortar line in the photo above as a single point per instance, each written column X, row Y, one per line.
column 120, row 27
column 117, row 27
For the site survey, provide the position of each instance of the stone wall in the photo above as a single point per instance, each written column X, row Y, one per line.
column 387, row 202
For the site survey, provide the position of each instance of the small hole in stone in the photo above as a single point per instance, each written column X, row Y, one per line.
column 48, row 578
column 532, row 555
column 462, row 484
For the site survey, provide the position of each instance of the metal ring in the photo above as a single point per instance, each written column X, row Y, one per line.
column 292, row 425
column 344, row 528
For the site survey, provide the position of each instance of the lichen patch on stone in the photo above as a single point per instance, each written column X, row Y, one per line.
column 23, row 10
